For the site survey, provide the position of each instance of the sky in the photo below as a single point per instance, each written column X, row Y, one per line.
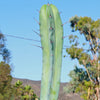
column 17, row 18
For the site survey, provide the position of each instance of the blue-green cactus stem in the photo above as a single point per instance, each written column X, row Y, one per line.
column 47, row 40
column 51, row 31
column 56, row 72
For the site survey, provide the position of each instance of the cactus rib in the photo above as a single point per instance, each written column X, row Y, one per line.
column 51, row 31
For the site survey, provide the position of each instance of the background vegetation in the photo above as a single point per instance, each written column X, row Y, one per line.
column 85, row 79
column 7, row 90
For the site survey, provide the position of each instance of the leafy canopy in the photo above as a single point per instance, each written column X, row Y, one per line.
column 85, row 80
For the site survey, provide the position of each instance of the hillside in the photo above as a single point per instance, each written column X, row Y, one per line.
column 36, row 87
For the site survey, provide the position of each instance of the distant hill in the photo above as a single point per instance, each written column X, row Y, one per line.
column 36, row 87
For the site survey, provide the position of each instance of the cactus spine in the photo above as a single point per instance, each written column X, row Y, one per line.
column 51, row 31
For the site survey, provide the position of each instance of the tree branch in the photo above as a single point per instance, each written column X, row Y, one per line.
column 87, row 71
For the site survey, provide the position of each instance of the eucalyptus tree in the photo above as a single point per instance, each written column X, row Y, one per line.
column 87, row 54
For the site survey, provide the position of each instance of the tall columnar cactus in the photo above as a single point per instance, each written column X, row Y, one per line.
column 51, row 31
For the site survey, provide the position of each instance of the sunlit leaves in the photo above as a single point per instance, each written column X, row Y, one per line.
column 5, row 81
column 23, row 92
column 89, row 58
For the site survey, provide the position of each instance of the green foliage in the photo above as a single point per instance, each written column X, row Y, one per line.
column 85, row 81
column 5, row 81
column 28, row 93
column 21, row 92
column 16, row 91
column 74, row 52
column 78, row 75
column 3, row 50
column 86, row 89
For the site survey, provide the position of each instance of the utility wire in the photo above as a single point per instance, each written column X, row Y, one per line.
column 21, row 38
column 35, row 41
column 27, row 38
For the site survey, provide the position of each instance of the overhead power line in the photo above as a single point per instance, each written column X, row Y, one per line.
column 21, row 38
column 18, row 37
